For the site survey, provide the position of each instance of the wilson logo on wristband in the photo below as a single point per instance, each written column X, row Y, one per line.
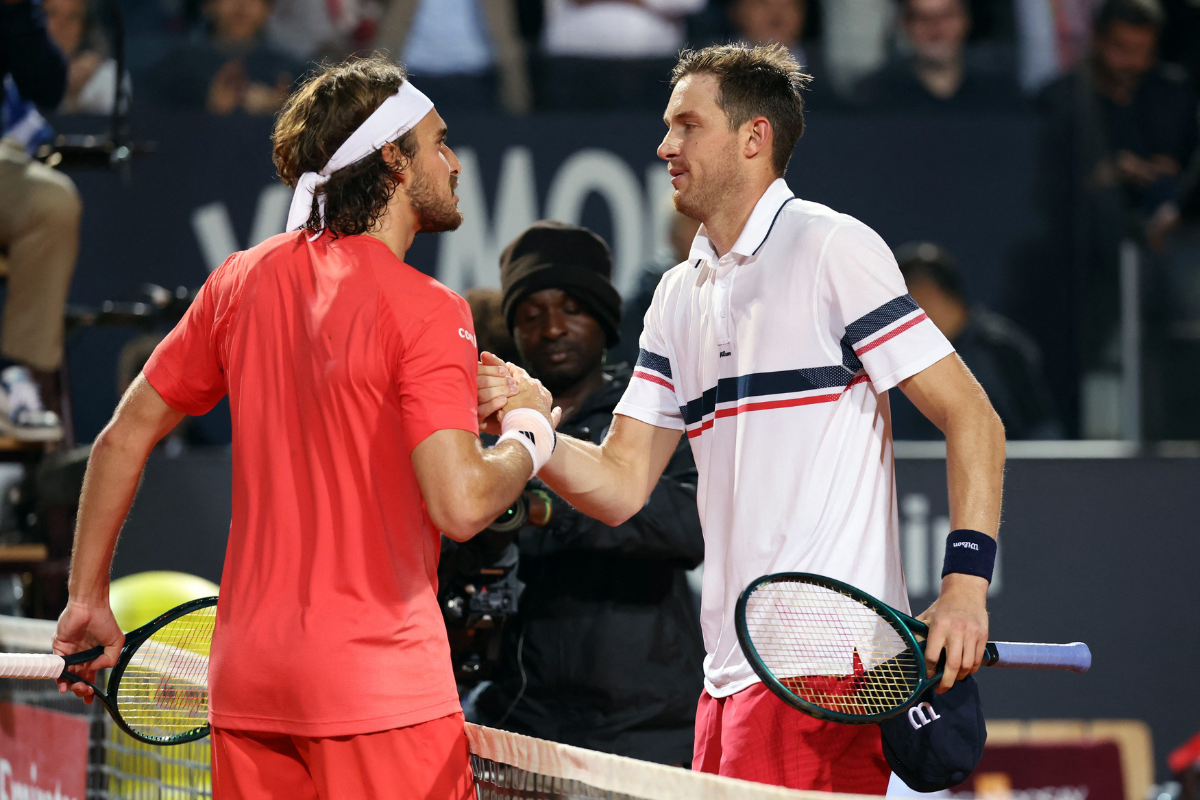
column 970, row 553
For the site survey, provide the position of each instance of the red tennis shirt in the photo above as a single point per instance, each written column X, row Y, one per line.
column 338, row 359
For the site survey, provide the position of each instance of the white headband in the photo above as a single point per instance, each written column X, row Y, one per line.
column 395, row 117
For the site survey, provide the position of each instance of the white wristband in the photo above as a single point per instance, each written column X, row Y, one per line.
column 532, row 431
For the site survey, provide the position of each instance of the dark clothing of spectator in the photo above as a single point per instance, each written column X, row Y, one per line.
column 26, row 52
column 608, row 633
column 1008, row 364
column 1180, row 42
column 819, row 94
column 183, row 78
column 896, row 88
column 633, row 315
column 1161, row 120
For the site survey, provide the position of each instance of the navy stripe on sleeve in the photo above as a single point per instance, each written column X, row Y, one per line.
column 655, row 362
column 879, row 319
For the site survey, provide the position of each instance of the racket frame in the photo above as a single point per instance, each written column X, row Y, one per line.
column 133, row 640
column 907, row 627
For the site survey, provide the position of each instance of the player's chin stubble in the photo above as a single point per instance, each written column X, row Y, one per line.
column 705, row 195
column 436, row 212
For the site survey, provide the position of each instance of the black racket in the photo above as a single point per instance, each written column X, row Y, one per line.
column 158, row 691
column 838, row 654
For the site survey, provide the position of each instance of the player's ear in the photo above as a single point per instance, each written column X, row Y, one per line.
column 395, row 160
column 759, row 137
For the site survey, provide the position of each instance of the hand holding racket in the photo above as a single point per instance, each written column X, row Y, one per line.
column 838, row 654
column 157, row 691
column 958, row 625
column 78, row 627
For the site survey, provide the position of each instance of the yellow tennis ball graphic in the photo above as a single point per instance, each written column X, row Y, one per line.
column 137, row 599
column 138, row 770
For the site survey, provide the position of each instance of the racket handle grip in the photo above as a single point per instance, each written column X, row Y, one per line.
column 1075, row 657
column 30, row 665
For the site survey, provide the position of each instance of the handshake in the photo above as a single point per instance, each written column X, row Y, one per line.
column 504, row 387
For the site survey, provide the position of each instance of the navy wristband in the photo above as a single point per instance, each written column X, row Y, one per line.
column 970, row 553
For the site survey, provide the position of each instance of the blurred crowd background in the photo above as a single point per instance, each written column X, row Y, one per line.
column 1099, row 333
column 1033, row 163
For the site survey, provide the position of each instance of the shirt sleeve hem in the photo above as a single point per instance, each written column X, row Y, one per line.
column 655, row 418
column 926, row 360
column 471, row 427
column 164, row 381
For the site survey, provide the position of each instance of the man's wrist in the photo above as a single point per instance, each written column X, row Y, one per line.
column 960, row 583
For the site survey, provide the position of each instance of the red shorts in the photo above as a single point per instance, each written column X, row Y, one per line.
column 755, row 736
column 429, row 761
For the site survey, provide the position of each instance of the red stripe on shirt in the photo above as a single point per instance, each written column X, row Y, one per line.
column 891, row 334
column 770, row 404
column 646, row 376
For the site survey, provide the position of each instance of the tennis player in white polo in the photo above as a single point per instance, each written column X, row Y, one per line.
column 773, row 347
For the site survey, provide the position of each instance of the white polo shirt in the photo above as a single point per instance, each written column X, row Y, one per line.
column 776, row 359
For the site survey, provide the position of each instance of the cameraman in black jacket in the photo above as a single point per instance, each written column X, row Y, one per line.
column 606, row 650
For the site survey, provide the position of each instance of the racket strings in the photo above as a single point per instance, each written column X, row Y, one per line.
column 830, row 649
column 163, row 693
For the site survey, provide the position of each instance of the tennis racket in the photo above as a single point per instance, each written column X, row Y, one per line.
column 158, row 691
column 838, row 654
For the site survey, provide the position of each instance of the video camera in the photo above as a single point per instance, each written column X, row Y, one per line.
column 478, row 589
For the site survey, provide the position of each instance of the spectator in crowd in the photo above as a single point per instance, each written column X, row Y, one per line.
column 39, row 227
column 782, row 22
column 467, row 53
column 1003, row 358
column 232, row 68
column 606, row 650
column 1053, row 36
column 610, row 54
column 91, row 74
column 680, row 235
column 308, row 30
column 937, row 76
column 1140, row 114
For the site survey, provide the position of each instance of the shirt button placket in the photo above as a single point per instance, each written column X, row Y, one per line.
column 722, row 297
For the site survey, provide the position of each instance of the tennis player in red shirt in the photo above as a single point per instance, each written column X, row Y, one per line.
column 352, row 386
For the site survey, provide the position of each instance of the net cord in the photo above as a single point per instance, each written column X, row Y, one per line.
column 621, row 775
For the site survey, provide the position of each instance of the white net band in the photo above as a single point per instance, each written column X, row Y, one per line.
column 615, row 775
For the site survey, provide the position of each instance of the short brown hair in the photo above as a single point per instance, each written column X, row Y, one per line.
column 319, row 116
column 754, row 81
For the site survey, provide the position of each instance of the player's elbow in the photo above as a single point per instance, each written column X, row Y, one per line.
column 458, row 519
column 460, row 510
column 979, row 421
column 622, row 511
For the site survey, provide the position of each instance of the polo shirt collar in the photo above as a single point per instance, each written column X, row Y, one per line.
column 756, row 229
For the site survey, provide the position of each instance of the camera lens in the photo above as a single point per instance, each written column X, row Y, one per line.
column 513, row 519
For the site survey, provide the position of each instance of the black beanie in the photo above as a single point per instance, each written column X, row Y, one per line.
column 554, row 255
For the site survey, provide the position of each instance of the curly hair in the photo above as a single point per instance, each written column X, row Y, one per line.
column 318, row 117
column 763, row 80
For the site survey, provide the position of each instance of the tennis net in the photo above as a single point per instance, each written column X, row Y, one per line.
column 507, row 766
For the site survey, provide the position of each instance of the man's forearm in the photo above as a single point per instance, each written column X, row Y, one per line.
column 591, row 479
column 111, row 480
column 975, row 469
